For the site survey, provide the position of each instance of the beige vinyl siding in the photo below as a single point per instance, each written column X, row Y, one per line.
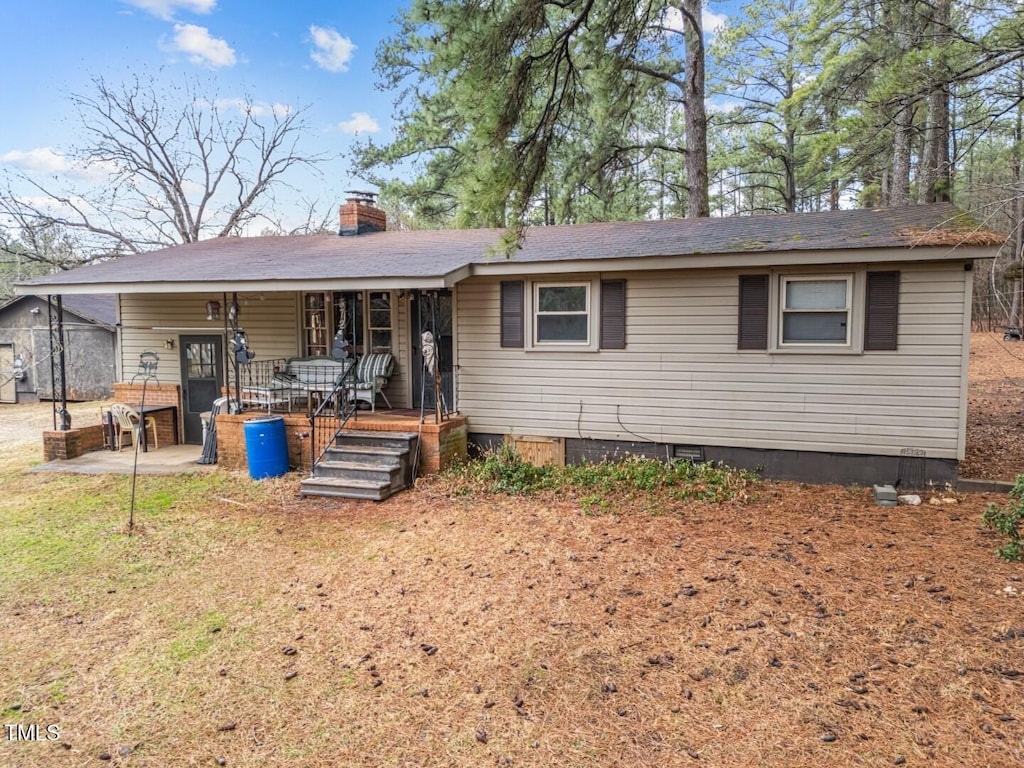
column 270, row 321
column 399, row 386
column 682, row 380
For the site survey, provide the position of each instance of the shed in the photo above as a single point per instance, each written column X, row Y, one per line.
column 90, row 345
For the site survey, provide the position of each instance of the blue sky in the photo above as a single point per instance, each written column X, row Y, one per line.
column 317, row 54
column 298, row 53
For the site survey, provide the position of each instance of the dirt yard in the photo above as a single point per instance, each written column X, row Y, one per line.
column 25, row 423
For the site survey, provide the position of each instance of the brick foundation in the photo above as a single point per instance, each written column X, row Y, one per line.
column 442, row 444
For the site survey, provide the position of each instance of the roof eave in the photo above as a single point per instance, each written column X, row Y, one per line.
column 742, row 260
column 229, row 286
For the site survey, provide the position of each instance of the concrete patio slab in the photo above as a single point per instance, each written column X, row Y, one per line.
column 171, row 460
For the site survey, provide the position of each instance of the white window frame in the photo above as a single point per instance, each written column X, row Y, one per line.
column 534, row 313
column 782, row 283
column 329, row 329
column 370, row 327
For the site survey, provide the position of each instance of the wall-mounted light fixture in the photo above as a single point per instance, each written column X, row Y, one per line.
column 213, row 310
column 169, row 344
column 233, row 312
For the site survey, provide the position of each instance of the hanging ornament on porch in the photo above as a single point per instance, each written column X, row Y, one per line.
column 429, row 352
column 239, row 345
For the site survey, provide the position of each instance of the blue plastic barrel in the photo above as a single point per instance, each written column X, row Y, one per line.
column 266, row 446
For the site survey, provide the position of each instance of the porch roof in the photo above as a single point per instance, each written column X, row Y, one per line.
column 441, row 258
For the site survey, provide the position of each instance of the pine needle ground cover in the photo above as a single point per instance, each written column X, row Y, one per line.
column 615, row 622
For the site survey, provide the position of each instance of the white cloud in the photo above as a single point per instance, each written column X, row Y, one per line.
column 710, row 22
column 721, row 106
column 360, row 123
column 39, row 160
column 165, row 9
column 257, row 109
column 332, row 51
column 44, row 160
column 200, row 47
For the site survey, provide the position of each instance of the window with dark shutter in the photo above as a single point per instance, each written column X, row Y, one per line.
column 753, row 320
column 881, row 311
column 613, row 314
column 512, row 311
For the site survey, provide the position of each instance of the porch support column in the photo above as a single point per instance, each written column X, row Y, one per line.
column 58, row 368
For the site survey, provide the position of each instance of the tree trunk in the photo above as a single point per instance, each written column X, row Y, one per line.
column 1018, row 204
column 934, row 180
column 903, row 119
column 695, row 117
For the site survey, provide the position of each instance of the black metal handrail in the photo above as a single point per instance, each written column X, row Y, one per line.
column 331, row 415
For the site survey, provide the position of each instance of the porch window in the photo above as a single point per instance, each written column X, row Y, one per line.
column 815, row 310
column 348, row 320
column 363, row 318
column 380, row 321
column 562, row 313
column 315, row 330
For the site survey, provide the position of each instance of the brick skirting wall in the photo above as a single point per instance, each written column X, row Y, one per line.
column 442, row 444
column 72, row 443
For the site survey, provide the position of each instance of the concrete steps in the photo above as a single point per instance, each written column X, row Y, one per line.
column 364, row 464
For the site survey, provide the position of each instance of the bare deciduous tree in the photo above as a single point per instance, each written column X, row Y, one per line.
column 156, row 169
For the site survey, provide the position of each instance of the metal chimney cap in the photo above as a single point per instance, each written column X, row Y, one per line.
column 361, row 195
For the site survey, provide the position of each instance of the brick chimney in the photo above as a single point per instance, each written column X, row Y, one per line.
column 359, row 214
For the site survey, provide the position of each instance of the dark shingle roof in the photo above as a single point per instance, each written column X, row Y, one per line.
column 436, row 253
column 97, row 307
column 101, row 307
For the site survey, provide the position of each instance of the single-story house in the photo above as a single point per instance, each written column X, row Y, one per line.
column 821, row 346
column 89, row 327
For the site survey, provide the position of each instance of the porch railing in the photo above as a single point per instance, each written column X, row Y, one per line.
column 285, row 384
column 260, row 386
column 328, row 419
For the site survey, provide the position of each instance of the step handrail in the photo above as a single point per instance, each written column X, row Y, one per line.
column 342, row 392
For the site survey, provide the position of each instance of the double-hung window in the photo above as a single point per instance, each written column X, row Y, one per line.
column 578, row 315
column 815, row 310
column 562, row 313
column 840, row 313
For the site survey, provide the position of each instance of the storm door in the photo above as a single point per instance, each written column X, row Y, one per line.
column 202, row 373
column 432, row 311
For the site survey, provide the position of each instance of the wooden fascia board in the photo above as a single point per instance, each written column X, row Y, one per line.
column 744, row 260
column 240, row 286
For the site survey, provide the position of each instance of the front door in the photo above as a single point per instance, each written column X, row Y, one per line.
column 432, row 311
column 202, row 373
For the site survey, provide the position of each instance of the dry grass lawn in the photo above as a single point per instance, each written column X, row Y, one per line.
column 243, row 626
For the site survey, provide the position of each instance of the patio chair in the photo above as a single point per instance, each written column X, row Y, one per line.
column 128, row 420
column 372, row 374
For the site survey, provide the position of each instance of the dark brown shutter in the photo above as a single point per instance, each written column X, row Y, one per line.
column 881, row 311
column 753, row 321
column 512, row 313
column 613, row 314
